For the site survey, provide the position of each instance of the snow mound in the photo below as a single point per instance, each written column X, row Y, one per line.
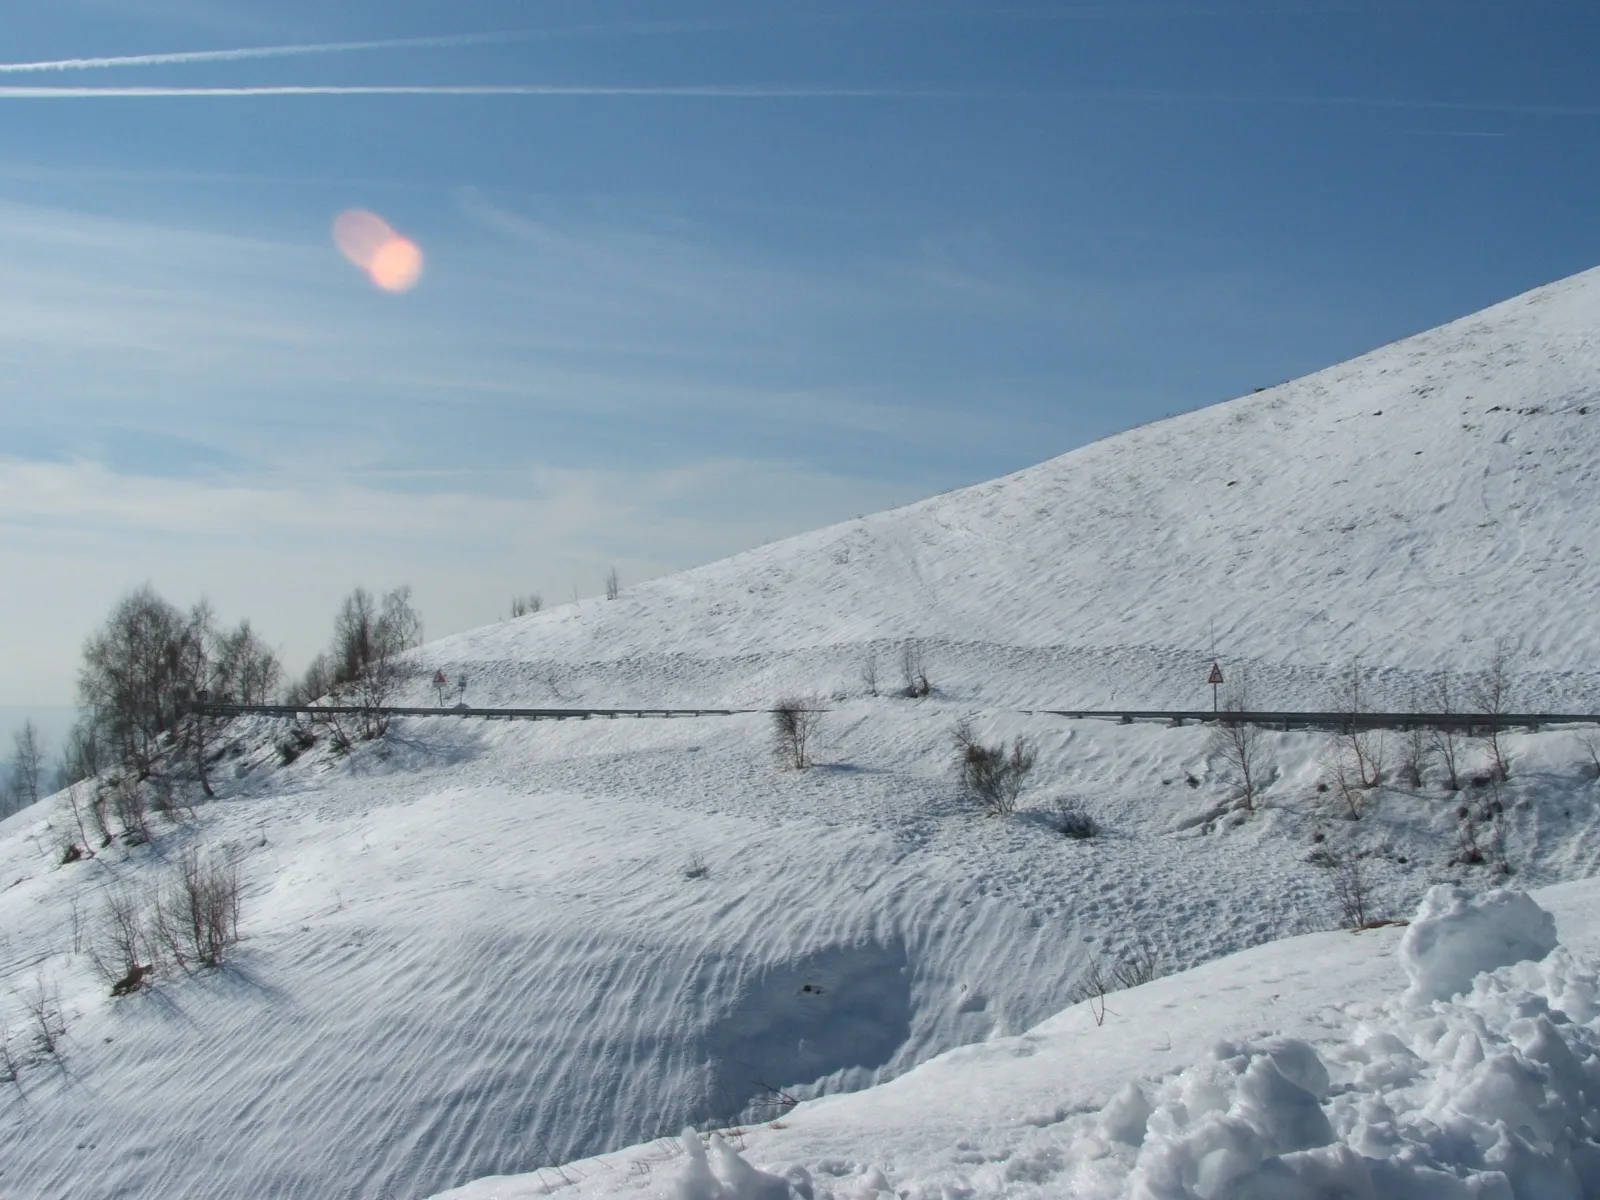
column 1492, row 1092
column 1457, row 935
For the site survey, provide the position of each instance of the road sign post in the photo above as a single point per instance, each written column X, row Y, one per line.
column 1214, row 680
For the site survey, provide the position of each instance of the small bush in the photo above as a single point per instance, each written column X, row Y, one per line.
column 197, row 914
column 1138, row 965
column 913, row 673
column 1351, row 893
column 122, row 950
column 131, row 805
column 794, row 725
column 993, row 775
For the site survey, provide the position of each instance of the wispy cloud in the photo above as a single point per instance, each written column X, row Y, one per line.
column 282, row 550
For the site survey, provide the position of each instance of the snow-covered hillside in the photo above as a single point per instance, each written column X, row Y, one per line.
column 1407, row 508
column 482, row 948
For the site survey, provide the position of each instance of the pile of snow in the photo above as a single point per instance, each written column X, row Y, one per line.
column 1491, row 1093
column 1456, row 936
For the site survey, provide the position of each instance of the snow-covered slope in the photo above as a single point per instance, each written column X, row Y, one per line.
column 1407, row 508
column 481, row 948
column 1301, row 1070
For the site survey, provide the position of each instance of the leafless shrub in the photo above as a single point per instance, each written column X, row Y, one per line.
column 1446, row 741
column 1241, row 746
column 914, row 672
column 99, row 819
column 1589, row 742
column 10, row 1063
column 122, row 950
column 613, row 586
column 131, row 806
column 316, row 683
column 197, row 913
column 1139, row 965
column 43, row 1005
column 1415, row 749
column 993, row 775
column 1365, row 747
column 1345, row 780
column 869, row 673
column 1350, row 892
column 1491, row 694
column 521, row 606
column 1096, row 982
column 72, row 806
column 27, row 764
column 795, row 722
column 696, row 867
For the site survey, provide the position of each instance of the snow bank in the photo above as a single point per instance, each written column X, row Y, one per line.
column 1490, row 1091
column 1456, row 935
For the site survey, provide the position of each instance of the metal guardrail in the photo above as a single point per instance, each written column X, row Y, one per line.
column 1343, row 722
column 1466, row 722
column 489, row 714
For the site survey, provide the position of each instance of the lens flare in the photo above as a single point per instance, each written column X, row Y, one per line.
column 392, row 262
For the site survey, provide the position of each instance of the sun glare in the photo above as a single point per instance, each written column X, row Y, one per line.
column 392, row 262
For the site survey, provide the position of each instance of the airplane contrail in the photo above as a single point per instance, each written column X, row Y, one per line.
column 791, row 91
column 758, row 91
column 442, row 41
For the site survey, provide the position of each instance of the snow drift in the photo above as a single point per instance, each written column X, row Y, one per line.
column 1492, row 1091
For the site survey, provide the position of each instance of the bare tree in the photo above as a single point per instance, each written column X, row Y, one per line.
column 521, row 606
column 914, row 671
column 795, row 722
column 43, row 1005
column 1347, row 787
column 1365, row 746
column 993, row 775
column 316, row 683
column 81, row 757
column 220, row 667
column 1240, row 745
column 1589, row 740
column 613, row 587
column 122, row 951
column 1445, row 740
column 129, row 675
column 869, row 673
column 10, row 1064
column 77, row 816
column 27, row 761
column 1414, row 749
column 131, row 805
column 369, row 642
column 1491, row 695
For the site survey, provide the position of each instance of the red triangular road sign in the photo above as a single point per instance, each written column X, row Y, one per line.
column 1216, row 675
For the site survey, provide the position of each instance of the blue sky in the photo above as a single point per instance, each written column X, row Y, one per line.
column 739, row 271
